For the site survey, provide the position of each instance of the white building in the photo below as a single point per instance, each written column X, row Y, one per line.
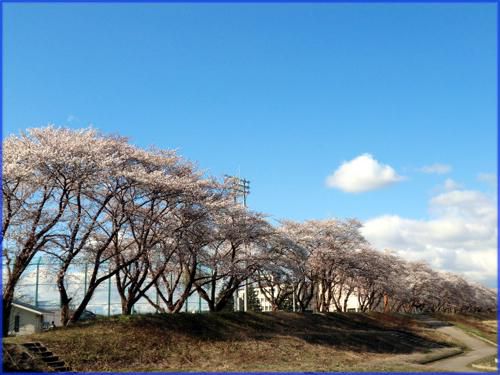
column 240, row 301
column 352, row 301
column 26, row 319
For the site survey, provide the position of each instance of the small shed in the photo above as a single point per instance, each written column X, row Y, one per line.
column 26, row 319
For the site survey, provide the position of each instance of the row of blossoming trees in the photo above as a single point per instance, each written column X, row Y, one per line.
column 152, row 221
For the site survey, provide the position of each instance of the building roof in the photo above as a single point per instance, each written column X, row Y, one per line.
column 28, row 307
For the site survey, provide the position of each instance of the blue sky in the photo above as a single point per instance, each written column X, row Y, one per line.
column 283, row 93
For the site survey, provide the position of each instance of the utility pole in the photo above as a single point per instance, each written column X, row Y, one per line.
column 85, row 279
column 241, row 187
column 37, row 280
column 109, row 297
column 157, row 301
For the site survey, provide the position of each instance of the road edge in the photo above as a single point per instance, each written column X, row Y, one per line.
column 436, row 356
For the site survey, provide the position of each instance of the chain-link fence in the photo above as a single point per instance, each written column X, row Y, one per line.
column 38, row 287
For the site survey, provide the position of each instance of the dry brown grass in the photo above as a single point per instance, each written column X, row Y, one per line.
column 18, row 359
column 493, row 324
column 487, row 364
column 483, row 325
column 240, row 342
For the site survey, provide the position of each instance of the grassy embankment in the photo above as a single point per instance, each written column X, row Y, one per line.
column 243, row 342
column 482, row 325
column 487, row 364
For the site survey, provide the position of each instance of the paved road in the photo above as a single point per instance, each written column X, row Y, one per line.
column 478, row 349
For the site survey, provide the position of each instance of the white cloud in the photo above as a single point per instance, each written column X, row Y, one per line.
column 489, row 178
column 436, row 168
column 48, row 294
column 460, row 236
column 362, row 173
column 450, row 184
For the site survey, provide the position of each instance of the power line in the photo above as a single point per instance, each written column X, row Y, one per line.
column 240, row 186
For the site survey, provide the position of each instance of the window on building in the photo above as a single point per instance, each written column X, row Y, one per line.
column 17, row 323
column 241, row 304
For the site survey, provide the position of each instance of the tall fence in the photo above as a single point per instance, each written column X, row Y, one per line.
column 38, row 287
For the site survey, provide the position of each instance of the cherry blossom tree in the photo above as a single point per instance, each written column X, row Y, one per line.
column 239, row 245
column 336, row 240
column 378, row 277
column 299, row 239
column 95, row 210
column 283, row 276
column 154, row 226
column 150, row 219
column 166, row 201
column 39, row 179
column 182, row 243
column 80, row 190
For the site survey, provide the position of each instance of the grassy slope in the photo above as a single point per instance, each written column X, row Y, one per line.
column 483, row 325
column 488, row 362
column 241, row 342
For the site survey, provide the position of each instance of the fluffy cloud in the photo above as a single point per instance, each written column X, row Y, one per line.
column 489, row 178
column 436, row 168
column 450, row 184
column 362, row 173
column 460, row 236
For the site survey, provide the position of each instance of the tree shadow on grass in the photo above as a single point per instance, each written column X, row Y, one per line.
column 355, row 332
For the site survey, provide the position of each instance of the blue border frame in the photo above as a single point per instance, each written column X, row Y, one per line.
column 268, row 2
column 257, row 1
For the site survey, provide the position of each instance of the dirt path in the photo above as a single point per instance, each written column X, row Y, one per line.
column 478, row 349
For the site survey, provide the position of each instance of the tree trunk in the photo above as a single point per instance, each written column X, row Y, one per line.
column 221, row 304
column 127, row 306
column 63, row 297
column 8, row 297
column 346, row 300
column 80, row 309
